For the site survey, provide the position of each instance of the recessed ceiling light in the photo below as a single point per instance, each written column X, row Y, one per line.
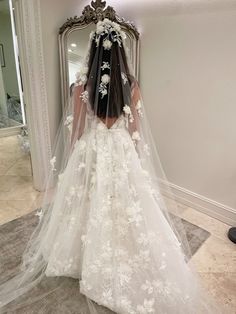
column 70, row 50
column 73, row 45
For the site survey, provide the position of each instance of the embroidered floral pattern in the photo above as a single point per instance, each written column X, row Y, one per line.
column 139, row 108
column 146, row 149
column 68, row 120
column 146, row 307
column 39, row 213
column 52, row 163
column 105, row 79
column 109, row 211
column 136, row 136
column 84, row 96
column 107, row 44
column 105, row 65
column 128, row 113
column 124, row 77
column 111, row 30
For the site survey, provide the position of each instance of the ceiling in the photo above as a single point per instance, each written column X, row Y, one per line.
column 135, row 7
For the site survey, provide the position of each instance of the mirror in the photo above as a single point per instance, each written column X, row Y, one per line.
column 73, row 42
column 76, row 49
column 12, row 114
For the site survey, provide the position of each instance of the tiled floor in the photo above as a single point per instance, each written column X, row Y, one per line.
column 215, row 260
column 17, row 194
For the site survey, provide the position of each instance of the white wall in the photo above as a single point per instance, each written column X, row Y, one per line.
column 192, row 58
column 188, row 78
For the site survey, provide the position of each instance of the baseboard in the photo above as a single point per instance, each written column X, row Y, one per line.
column 205, row 205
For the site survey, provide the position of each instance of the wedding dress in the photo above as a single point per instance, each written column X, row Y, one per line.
column 110, row 232
column 106, row 223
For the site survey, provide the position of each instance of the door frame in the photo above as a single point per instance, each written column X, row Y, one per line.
column 29, row 33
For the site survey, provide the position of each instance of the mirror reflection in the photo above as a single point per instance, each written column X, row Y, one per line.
column 11, row 99
column 16, row 178
column 77, row 44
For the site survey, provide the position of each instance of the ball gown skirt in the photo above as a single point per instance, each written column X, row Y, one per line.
column 108, row 231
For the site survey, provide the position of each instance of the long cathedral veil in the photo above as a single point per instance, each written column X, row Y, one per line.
column 105, row 96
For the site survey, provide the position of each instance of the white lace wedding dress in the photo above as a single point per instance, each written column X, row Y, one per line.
column 108, row 231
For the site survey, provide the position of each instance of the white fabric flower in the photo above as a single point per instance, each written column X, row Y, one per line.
column 107, row 44
column 39, row 213
column 128, row 112
column 127, row 109
column 105, row 79
column 52, row 163
column 100, row 29
column 104, row 92
column 138, row 105
column 136, row 136
column 138, row 108
column 69, row 120
column 84, row 96
column 124, row 77
column 147, row 286
column 107, row 23
column 145, row 239
column 147, row 306
column 116, row 26
column 105, row 65
column 107, row 295
column 97, row 40
column 92, row 34
column 146, row 149
column 108, row 27
column 103, row 89
column 123, row 35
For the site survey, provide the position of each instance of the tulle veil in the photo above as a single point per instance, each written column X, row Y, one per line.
column 92, row 105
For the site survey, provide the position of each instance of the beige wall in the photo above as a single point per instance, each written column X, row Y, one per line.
column 188, row 75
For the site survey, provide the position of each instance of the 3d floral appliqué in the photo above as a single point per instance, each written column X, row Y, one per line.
column 52, row 163
column 128, row 113
column 105, row 79
column 136, row 136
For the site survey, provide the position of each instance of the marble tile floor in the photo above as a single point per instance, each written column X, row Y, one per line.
column 215, row 260
column 17, row 195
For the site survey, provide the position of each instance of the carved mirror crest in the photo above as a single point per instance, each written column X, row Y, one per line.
column 74, row 39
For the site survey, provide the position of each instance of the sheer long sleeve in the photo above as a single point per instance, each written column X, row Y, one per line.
column 134, row 120
column 79, row 113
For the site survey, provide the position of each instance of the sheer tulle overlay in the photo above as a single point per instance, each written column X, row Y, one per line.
column 110, row 233
column 103, row 218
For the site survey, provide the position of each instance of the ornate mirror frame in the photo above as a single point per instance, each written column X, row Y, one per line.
column 92, row 14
